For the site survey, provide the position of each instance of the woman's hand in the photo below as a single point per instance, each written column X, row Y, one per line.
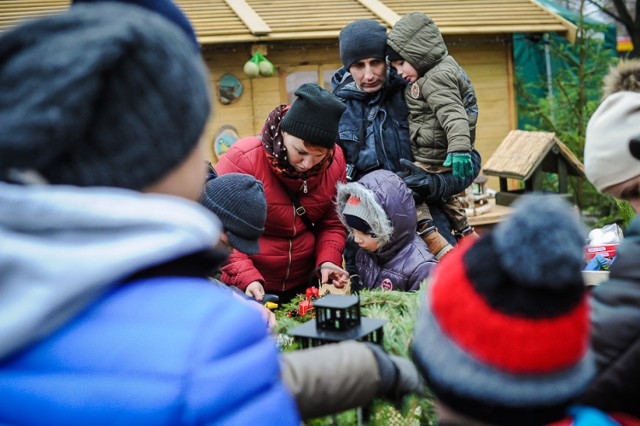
column 255, row 290
column 330, row 273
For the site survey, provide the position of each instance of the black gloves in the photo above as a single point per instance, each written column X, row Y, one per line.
column 398, row 376
column 435, row 187
column 419, row 181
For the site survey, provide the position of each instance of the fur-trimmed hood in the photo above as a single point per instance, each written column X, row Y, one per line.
column 625, row 77
column 391, row 208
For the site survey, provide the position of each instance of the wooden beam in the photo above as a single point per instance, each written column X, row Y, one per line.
column 381, row 11
column 251, row 19
column 571, row 31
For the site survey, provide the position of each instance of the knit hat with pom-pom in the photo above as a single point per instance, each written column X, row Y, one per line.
column 503, row 335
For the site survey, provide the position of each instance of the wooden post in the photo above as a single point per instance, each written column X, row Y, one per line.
column 563, row 177
column 503, row 185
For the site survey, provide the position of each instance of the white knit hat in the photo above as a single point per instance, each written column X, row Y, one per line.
column 607, row 159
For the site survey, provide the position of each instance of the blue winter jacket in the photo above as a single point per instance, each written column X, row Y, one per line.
column 86, row 340
column 164, row 351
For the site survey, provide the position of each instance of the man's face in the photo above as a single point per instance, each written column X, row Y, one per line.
column 369, row 74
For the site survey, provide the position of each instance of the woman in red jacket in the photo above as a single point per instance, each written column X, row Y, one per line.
column 299, row 164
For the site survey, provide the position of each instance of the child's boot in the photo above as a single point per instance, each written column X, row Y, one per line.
column 436, row 243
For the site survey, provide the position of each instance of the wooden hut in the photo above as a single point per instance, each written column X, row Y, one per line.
column 526, row 156
column 300, row 37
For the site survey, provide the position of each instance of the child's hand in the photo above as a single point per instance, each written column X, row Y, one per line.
column 460, row 163
column 333, row 274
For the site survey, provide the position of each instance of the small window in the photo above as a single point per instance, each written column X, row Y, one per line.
column 319, row 74
column 297, row 79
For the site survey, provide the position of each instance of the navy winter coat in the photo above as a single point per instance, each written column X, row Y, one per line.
column 374, row 132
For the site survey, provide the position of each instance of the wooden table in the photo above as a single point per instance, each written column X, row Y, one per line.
column 486, row 221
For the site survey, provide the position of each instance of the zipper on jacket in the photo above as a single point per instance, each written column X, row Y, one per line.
column 286, row 277
column 304, row 186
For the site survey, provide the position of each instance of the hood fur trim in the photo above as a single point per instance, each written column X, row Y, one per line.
column 380, row 225
column 625, row 77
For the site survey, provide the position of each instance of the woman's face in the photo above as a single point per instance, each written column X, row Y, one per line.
column 300, row 155
column 629, row 191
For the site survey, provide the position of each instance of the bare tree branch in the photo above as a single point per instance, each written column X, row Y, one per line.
column 604, row 10
column 623, row 12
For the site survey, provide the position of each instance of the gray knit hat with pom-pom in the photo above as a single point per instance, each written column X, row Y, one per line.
column 541, row 243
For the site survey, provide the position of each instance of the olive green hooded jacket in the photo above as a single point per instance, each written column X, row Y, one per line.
column 443, row 108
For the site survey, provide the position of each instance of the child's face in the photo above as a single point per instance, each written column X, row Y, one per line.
column 365, row 241
column 405, row 70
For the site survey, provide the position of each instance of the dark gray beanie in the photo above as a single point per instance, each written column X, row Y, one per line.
column 239, row 202
column 314, row 116
column 100, row 95
column 362, row 39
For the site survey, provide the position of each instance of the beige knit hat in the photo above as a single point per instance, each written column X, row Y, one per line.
column 607, row 159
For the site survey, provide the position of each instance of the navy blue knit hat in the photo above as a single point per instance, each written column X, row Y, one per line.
column 503, row 336
column 103, row 94
column 165, row 8
column 239, row 201
column 362, row 39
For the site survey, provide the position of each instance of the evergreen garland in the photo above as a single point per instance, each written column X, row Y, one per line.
column 400, row 309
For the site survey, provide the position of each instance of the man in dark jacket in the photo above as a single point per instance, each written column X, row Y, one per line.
column 374, row 132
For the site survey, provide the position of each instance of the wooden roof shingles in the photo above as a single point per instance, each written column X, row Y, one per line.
column 522, row 152
column 13, row 12
column 241, row 21
column 487, row 16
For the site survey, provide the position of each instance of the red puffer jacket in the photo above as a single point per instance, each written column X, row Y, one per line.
column 289, row 252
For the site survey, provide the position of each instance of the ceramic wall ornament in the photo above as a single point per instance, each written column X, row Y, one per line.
column 229, row 89
column 224, row 137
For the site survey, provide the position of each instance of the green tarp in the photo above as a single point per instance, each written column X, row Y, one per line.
column 535, row 65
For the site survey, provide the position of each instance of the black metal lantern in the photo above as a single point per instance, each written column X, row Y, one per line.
column 338, row 318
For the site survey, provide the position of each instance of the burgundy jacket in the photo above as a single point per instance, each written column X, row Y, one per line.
column 289, row 251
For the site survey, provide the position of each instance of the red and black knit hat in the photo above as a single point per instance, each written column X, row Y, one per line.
column 503, row 336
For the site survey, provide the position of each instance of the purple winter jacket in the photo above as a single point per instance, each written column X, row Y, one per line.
column 402, row 261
